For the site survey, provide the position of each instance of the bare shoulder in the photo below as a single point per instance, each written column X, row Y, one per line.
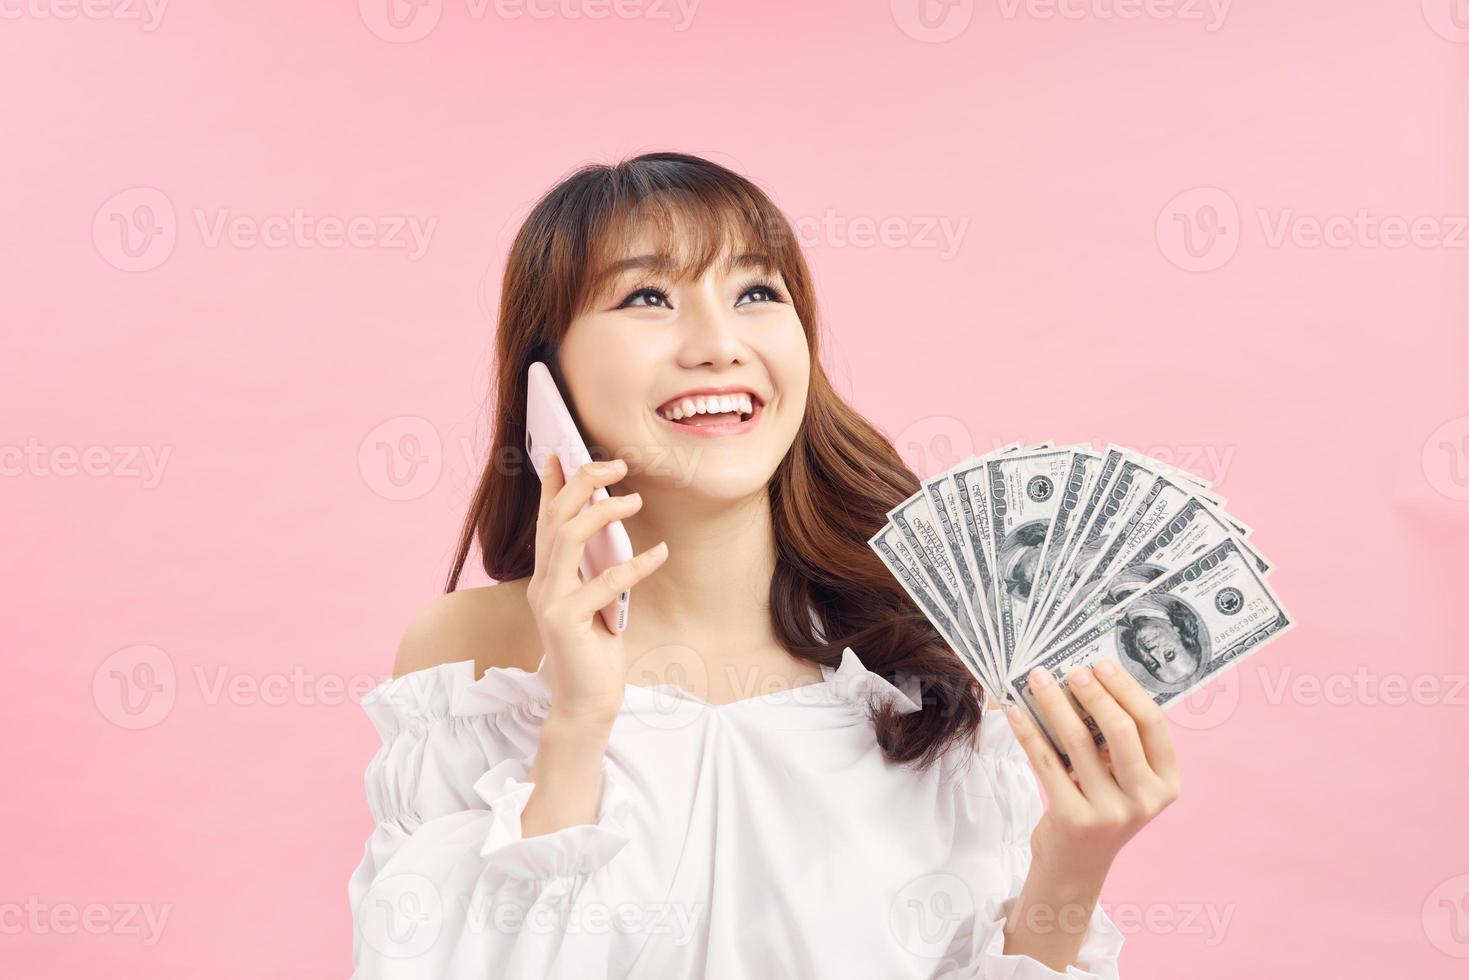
column 490, row 625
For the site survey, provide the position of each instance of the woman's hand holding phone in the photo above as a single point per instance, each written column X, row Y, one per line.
column 585, row 662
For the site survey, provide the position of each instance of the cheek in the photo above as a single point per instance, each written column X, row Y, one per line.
column 610, row 377
column 612, row 413
column 790, row 363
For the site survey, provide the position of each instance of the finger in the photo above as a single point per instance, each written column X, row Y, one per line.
column 552, row 480
column 582, row 484
column 1049, row 770
column 1152, row 724
column 616, row 579
column 569, row 496
column 1129, row 762
column 569, row 542
column 1075, row 738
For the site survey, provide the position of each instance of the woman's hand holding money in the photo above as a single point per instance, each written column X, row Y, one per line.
column 1094, row 809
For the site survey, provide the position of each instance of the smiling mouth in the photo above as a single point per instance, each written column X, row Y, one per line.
column 706, row 411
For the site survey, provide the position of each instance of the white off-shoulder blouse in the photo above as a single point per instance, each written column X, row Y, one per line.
column 763, row 839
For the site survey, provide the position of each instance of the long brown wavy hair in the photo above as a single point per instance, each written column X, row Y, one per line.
column 828, row 496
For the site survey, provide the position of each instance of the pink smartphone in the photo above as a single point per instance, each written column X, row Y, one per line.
column 550, row 428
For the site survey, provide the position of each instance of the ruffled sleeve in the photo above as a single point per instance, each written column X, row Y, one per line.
column 999, row 806
column 448, row 885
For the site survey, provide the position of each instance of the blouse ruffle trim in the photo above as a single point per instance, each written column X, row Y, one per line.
column 1013, row 788
column 853, row 681
column 575, row 850
column 418, row 698
column 1096, row 959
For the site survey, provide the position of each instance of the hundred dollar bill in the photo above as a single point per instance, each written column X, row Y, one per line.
column 1081, row 478
column 1160, row 500
column 972, row 493
column 943, row 501
column 971, row 490
column 1131, row 482
column 1024, row 492
column 1193, row 528
column 1243, row 532
column 1073, row 560
column 1174, row 635
column 920, row 530
column 900, row 561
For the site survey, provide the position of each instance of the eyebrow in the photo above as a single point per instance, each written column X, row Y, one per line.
column 663, row 262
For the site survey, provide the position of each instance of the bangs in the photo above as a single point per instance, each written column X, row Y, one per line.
column 680, row 234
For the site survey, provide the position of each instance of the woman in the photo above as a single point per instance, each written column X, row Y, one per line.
column 778, row 770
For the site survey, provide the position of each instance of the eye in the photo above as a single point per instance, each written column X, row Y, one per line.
column 761, row 288
column 648, row 293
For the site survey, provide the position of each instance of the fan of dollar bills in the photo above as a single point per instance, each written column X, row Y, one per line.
column 1058, row 556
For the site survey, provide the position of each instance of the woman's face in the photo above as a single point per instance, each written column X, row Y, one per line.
column 646, row 339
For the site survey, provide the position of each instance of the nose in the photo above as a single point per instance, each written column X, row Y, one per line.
column 710, row 330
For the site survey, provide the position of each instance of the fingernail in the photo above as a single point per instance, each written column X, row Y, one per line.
column 1106, row 668
column 1013, row 713
column 1040, row 677
column 1080, row 677
column 660, row 549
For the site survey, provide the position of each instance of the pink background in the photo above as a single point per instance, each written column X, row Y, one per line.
column 1114, row 188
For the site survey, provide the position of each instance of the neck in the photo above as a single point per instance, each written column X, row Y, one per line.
column 713, row 590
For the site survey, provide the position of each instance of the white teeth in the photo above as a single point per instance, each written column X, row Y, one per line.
column 709, row 404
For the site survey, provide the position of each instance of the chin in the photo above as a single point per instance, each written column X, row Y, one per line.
column 723, row 484
column 708, row 474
